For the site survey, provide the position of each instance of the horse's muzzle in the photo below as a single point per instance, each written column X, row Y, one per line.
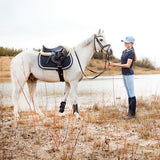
column 109, row 51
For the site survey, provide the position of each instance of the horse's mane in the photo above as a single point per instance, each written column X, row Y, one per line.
column 86, row 42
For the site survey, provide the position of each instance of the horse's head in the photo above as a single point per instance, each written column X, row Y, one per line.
column 100, row 44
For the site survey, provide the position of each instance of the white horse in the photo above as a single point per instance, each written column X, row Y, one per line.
column 25, row 69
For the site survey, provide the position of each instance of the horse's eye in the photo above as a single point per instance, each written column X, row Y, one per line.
column 101, row 39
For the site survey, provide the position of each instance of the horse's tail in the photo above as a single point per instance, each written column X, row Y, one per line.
column 19, row 70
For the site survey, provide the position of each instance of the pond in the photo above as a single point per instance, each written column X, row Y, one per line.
column 106, row 90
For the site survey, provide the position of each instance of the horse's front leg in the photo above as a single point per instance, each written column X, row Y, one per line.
column 74, row 86
column 63, row 103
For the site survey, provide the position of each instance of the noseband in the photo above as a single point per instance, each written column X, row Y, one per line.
column 100, row 44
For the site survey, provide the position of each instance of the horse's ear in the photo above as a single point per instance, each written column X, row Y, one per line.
column 99, row 32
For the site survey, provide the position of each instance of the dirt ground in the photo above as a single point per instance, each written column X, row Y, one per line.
column 95, row 65
column 101, row 134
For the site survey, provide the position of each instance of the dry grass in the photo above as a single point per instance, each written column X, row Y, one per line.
column 102, row 134
column 5, row 63
column 5, row 66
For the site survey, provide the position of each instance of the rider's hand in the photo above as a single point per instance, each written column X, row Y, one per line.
column 111, row 64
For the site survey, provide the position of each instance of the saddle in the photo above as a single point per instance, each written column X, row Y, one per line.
column 58, row 59
column 57, row 56
column 56, row 49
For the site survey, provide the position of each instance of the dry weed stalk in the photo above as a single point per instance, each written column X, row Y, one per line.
column 125, row 140
column 66, row 132
column 156, row 133
column 117, row 133
column 107, row 142
column 57, row 127
column 46, row 97
column 134, row 153
column 73, row 149
column 53, row 137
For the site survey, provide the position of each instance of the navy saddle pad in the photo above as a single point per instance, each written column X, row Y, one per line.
column 49, row 65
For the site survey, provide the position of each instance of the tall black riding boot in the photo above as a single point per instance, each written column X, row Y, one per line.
column 132, row 109
column 133, row 106
column 129, row 103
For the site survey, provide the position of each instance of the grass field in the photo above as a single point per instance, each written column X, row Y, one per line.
column 102, row 134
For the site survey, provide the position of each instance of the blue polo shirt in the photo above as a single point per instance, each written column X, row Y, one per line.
column 127, row 54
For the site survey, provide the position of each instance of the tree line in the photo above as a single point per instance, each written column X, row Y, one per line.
column 9, row 51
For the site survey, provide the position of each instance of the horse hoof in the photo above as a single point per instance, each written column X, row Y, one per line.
column 62, row 114
column 77, row 115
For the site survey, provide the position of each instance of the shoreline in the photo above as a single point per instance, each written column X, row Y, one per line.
column 112, row 72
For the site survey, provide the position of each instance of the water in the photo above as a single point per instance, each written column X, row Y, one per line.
column 103, row 90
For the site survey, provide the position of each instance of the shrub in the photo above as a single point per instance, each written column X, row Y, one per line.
column 146, row 63
column 37, row 49
column 9, row 52
column 98, row 55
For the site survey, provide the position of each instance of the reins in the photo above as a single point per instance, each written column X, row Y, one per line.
column 91, row 70
column 106, row 59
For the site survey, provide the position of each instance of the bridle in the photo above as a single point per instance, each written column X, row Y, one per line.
column 106, row 57
column 100, row 44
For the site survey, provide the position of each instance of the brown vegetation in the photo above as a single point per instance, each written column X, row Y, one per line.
column 98, row 65
column 5, row 66
column 95, row 65
column 102, row 134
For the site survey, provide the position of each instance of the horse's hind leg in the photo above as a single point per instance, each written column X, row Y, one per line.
column 19, row 75
column 17, row 89
column 66, row 93
column 15, row 96
column 32, row 82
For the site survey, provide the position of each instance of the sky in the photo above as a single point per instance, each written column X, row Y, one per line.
column 29, row 24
